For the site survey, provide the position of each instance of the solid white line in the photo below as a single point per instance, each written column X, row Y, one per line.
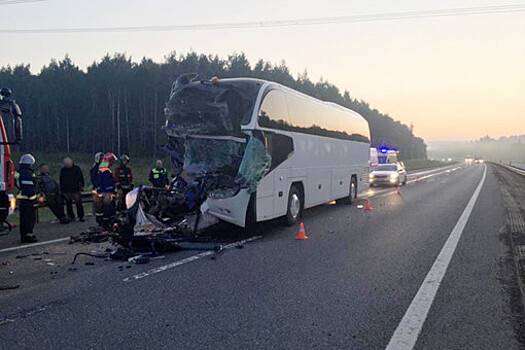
column 186, row 260
column 408, row 330
column 34, row 244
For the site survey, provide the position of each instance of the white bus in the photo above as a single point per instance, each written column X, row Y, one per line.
column 294, row 151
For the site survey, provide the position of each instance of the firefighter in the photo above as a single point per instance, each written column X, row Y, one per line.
column 158, row 176
column 93, row 175
column 123, row 181
column 26, row 197
column 105, row 200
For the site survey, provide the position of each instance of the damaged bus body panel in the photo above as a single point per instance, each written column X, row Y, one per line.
column 248, row 150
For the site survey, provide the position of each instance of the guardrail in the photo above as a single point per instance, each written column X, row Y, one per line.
column 512, row 168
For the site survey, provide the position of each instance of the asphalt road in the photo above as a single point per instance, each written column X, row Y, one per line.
column 347, row 287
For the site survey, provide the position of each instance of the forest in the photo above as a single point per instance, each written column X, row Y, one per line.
column 118, row 105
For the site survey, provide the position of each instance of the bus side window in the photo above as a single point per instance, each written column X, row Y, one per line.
column 279, row 146
column 274, row 113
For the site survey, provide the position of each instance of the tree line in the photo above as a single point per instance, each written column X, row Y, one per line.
column 118, row 105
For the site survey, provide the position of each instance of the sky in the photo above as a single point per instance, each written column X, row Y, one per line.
column 453, row 78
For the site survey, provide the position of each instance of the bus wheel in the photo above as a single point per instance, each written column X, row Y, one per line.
column 353, row 191
column 295, row 207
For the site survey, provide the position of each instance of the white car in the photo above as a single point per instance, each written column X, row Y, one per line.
column 388, row 174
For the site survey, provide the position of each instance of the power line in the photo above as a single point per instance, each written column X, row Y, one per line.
column 464, row 11
column 13, row 2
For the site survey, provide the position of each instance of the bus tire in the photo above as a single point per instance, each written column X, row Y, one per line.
column 294, row 208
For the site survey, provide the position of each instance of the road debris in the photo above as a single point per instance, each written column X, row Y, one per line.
column 9, row 287
column 91, row 235
column 102, row 256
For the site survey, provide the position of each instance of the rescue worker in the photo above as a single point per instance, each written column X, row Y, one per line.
column 93, row 174
column 50, row 191
column 26, row 197
column 158, row 176
column 123, row 181
column 105, row 200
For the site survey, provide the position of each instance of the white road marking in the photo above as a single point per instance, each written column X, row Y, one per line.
column 434, row 170
column 408, row 330
column 58, row 240
column 186, row 260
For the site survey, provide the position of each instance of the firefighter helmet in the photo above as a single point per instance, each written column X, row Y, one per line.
column 27, row 159
column 124, row 158
column 110, row 158
column 98, row 157
column 5, row 92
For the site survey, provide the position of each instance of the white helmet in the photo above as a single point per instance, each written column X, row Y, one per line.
column 98, row 157
column 27, row 159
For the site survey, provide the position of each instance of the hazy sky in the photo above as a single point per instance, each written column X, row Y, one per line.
column 453, row 78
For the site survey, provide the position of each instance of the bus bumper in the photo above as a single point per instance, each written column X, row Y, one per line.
column 232, row 210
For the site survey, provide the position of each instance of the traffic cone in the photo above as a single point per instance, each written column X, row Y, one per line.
column 398, row 189
column 301, row 235
column 368, row 206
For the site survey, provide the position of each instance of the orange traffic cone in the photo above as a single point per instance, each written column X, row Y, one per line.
column 368, row 206
column 301, row 235
column 398, row 189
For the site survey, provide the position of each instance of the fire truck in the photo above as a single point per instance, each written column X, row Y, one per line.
column 10, row 113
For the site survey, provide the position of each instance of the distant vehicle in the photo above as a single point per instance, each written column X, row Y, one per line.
column 263, row 150
column 387, row 156
column 374, row 159
column 469, row 160
column 478, row 160
column 388, row 174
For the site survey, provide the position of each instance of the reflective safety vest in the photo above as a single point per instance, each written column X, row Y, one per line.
column 157, row 173
column 159, row 177
column 25, row 180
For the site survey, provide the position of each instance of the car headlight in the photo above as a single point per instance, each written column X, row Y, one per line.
column 371, row 176
column 394, row 176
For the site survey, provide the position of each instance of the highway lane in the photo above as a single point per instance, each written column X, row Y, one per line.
column 348, row 286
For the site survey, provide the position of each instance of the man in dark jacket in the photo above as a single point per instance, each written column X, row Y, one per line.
column 71, row 185
column 51, row 191
column 26, row 197
column 158, row 176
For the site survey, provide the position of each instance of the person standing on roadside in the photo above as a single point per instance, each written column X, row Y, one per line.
column 71, row 185
column 105, row 200
column 123, row 181
column 51, row 191
column 158, row 176
column 93, row 174
column 26, row 197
